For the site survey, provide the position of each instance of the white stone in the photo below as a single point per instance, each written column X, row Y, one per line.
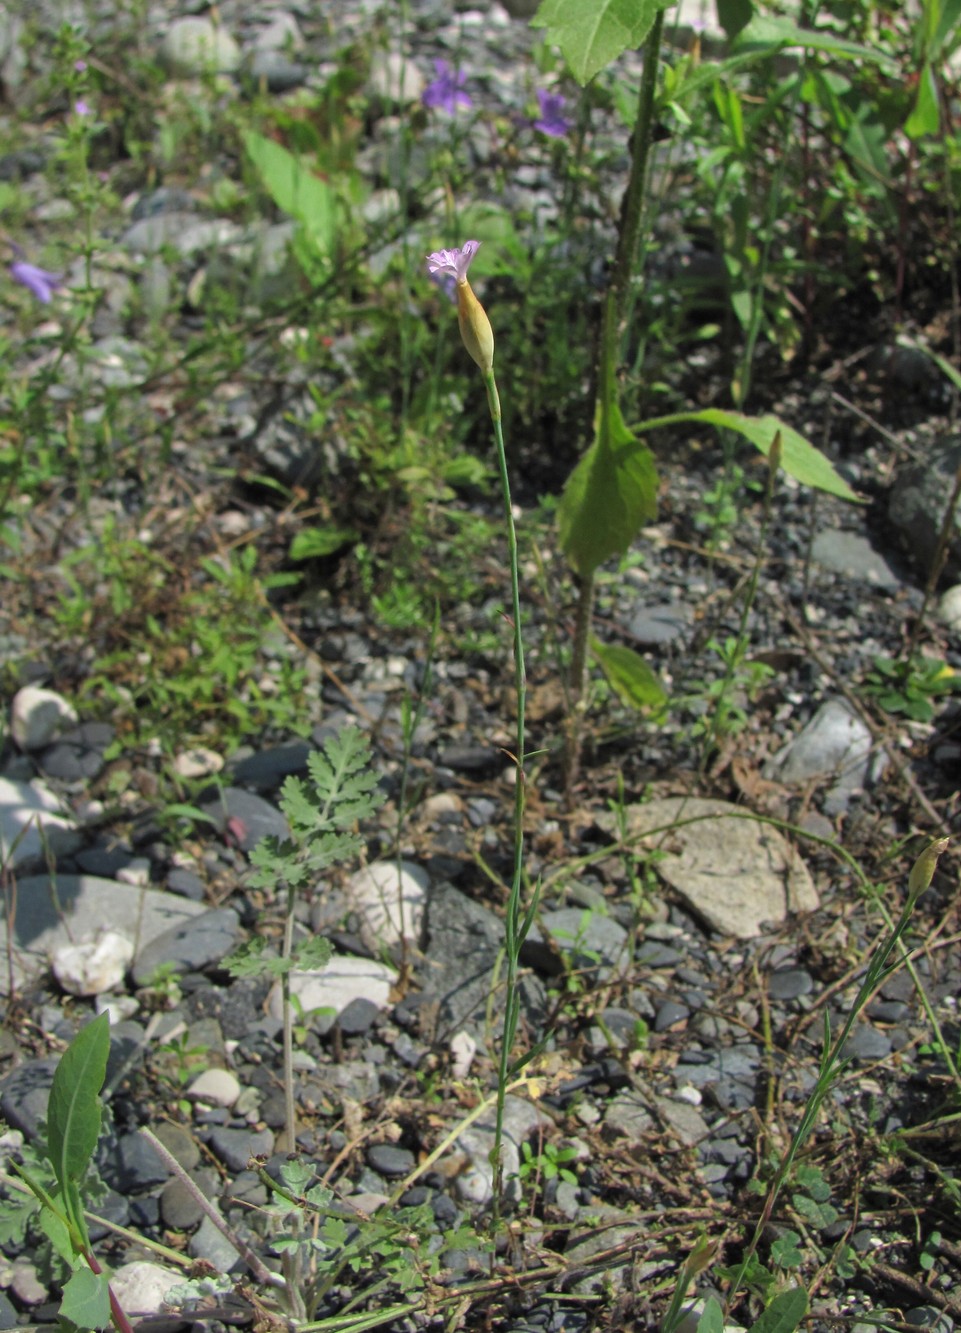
column 118, row 1007
column 737, row 873
column 391, row 906
column 38, row 715
column 218, row 1087
column 345, row 978
column 281, row 34
column 94, row 966
column 30, row 819
column 395, row 78
column 140, row 1287
column 198, row 46
column 949, row 607
column 463, row 1048
column 198, row 763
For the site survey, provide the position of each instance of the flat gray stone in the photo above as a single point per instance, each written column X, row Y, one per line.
column 189, row 945
column 736, row 873
column 834, row 745
column 49, row 913
column 851, row 554
column 26, row 808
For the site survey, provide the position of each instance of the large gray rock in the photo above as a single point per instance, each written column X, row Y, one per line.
column 918, row 503
column 32, row 819
column 736, row 873
column 835, row 745
column 55, row 911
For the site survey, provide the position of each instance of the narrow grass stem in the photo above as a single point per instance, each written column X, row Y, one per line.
column 513, row 927
column 832, row 1059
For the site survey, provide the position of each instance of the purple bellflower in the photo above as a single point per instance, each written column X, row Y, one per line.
column 552, row 121
column 37, row 280
column 446, row 93
column 475, row 328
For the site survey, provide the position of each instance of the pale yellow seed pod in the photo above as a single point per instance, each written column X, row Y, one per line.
column 475, row 327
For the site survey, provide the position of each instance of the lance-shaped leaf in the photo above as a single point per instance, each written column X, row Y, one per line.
column 73, row 1111
column 611, row 492
column 633, row 681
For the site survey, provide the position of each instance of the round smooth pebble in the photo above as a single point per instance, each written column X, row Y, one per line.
column 37, row 715
column 219, row 1087
column 194, row 46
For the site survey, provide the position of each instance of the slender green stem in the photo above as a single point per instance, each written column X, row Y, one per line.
column 513, row 926
column 615, row 307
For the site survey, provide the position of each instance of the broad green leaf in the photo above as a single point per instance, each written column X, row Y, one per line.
column 773, row 32
column 294, row 187
column 73, row 1111
column 53, row 1223
column 925, row 117
column 799, row 458
column 593, row 34
column 712, row 1317
column 314, row 543
column 611, row 492
column 86, row 1299
column 784, row 1314
column 629, row 676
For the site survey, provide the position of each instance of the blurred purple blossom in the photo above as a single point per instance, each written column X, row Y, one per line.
column 39, row 281
column 80, row 66
column 552, row 120
column 447, row 91
column 82, row 108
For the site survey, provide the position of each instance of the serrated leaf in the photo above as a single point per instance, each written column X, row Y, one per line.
column 86, row 1299
column 54, row 1226
column 593, row 35
column 315, row 543
column 313, row 954
column 784, row 1314
column 629, row 676
column 73, row 1111
column 610, row 493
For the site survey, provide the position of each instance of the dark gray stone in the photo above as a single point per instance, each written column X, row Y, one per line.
column 235, row 1147
column 190, row 947
column 790, row 984
column 24, row 1093
column 917, row 505
column 244, row 818
column 670, row 1013
column 390, row 1161
column 357, row 1017
column 867, row 1043
column 131, row 1165
column 465, row 944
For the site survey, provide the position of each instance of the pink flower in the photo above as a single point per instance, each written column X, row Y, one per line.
column 452, row 263
column 81, row 108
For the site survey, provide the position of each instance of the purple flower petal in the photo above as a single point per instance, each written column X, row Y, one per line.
column 454, row 264
column 39, row 281
column 446, row 93
column 552, row 121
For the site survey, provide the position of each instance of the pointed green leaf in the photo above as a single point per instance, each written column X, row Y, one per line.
column 799, row 458
column 773, row 32
column 293, row 187
column 629, row 676
column 611, row 492
column 784, row 1314
column 86, row 1299
column 712, row 1318
column 593, row 35
column 73, row 1111
column 315, row 543
column 925, row 117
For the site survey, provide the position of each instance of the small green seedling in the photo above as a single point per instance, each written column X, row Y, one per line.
column 73, row 1128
